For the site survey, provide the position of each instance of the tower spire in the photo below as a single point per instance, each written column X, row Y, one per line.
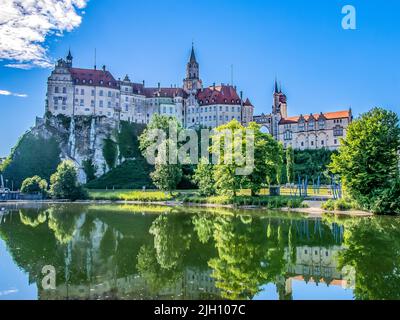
column 276, row 85
column 192, row 55
column 69, row 58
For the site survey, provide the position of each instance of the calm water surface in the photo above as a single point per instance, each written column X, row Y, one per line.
column 132, row 252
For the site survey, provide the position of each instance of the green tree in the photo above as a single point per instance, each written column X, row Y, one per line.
column 64, row 183
column 265, row 160
column 368, row 159
column 166, row 176
column 204, row 178
column 110, row 152
column 290, row 164
column 90, row 169
column 34, row 185
column 227, row 181
column 158, row 122
column 29, row 158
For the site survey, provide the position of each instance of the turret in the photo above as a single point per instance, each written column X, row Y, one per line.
column 192, row 81
column 69, row 59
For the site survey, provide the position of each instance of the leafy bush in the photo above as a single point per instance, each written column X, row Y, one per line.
column 64, row 183
column 339, row 205
column 34, row 185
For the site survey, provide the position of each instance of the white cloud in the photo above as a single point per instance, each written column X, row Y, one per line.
column 9, row 93
column 25, row 24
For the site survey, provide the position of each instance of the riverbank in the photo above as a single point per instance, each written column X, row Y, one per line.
column 310, row 208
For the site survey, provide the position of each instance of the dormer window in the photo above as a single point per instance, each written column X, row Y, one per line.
column 311, row 125
column 301, row 125
column 101, row 82
column 83, row 81
column 321, row 124
column 90, row 81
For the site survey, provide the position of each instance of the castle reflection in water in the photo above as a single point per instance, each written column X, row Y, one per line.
column 104, row 252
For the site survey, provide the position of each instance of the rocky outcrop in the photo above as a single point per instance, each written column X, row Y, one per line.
column 81, row 139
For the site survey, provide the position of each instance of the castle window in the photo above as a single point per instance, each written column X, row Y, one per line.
column 82, row 103
column 64, row 90
column 220, row 108
column 64, row 101
column 287, row 135
column 83, row 81
column 56, row 89
column 227, row 109
column 126, row 108
column 101, row 93
column 233, row 109
column 55, row 99
column 109, row 94
column 82, row 92
column 338, row 131
column 90, row 81
column 301, row 125
column 101, row 103
column 92, row 93
column 92, row 103
column 109, row 104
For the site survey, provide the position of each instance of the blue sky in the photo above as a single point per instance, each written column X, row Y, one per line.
column 322, row 67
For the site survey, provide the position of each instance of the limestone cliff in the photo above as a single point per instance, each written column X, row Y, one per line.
column 81, row 139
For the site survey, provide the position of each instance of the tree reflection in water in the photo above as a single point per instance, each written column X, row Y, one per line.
column 132, row 253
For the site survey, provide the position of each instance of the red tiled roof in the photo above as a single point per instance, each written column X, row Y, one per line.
column 328, row 116
column 222, row 94
column 91, row 77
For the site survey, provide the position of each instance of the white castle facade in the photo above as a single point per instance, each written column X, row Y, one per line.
column 313, row 131
column 90, row 92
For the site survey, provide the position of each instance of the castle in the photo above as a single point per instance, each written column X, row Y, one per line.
column 90, row 92
column 313, row 131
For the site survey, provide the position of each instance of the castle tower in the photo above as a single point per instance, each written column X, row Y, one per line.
column 69, row 60
column 192, row 82
column 279, row 108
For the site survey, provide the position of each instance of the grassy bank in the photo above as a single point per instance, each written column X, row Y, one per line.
column 129, row 195
column 261, row 201
column 192, row 197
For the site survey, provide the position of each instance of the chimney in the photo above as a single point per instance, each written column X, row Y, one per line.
column 214, row 86
column 159, row 86
column 104, row 68
column 144, row 83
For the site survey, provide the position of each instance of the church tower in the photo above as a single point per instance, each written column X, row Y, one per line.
column 192, row 82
